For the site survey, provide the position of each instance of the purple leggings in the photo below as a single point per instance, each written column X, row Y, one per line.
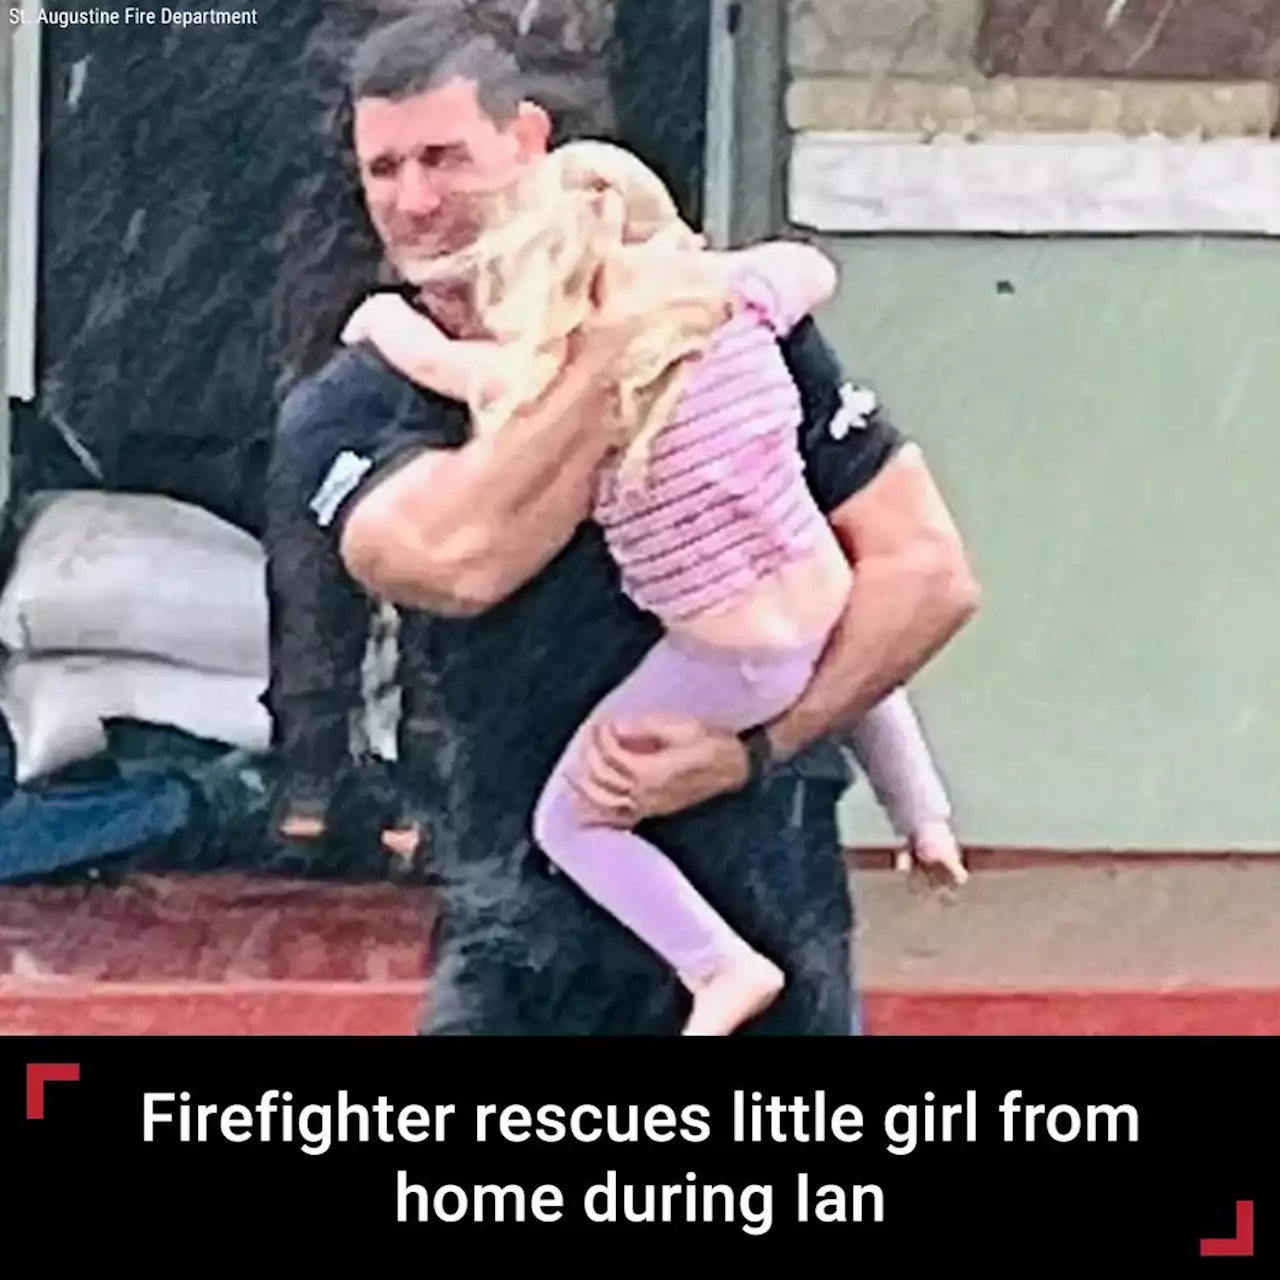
column 628, row 876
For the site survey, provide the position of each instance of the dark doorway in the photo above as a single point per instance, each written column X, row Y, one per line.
column 167, row 155
column 658, row 73
column 170, row 162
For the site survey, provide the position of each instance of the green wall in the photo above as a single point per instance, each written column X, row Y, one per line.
column 1108, row 434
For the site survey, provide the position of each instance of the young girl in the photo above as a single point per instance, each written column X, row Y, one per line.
column 704, row 509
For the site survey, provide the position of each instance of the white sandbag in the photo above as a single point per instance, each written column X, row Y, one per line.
column 137, row 574
column 55, row 706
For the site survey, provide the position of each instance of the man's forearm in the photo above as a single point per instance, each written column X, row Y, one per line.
column 901, row 611
column 538, row 525
column 565, row 432
column 455, row 531
column 537, row 465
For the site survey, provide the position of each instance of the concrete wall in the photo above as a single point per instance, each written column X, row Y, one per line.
column 977, row 67
column 1101, row 410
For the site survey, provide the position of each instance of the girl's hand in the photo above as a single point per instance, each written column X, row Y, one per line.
column 372, row 317
column 935, row 853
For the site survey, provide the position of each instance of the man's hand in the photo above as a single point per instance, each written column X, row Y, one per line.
column 653, row 767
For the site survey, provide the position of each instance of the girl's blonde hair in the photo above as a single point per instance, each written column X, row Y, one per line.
column 590, row 215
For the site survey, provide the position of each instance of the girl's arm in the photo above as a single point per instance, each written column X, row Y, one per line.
column 413, row 345
column 786, row 279
column 891, row 749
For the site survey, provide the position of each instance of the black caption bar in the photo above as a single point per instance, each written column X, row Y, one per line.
column 1102, row 1151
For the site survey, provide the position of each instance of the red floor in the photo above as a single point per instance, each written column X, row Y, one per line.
column 238, row 958
column 369, row 1009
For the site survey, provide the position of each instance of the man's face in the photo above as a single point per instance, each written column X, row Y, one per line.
column 426, row 161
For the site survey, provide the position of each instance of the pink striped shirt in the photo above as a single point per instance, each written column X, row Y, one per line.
column 724, row 503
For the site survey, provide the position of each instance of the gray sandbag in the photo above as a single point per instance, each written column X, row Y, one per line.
column 137, row 574
column 55, row 706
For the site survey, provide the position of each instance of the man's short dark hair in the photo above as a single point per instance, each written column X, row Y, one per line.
column 422, row 52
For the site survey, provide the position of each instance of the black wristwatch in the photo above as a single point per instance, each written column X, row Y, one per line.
column 759, row 752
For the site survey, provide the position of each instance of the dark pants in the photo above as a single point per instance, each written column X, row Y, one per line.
column 520, row 951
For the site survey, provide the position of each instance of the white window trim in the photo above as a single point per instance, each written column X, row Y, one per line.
column 24, row 211
column 1034, row 184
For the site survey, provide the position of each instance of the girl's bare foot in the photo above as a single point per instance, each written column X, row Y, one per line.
column 743, row 988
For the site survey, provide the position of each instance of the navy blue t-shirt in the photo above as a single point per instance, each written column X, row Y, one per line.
column 492, row 701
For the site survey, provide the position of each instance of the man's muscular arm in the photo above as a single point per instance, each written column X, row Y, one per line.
column 913, row 590
column 456, row 531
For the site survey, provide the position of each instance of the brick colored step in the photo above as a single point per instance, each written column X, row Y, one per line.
column 1185, row 947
